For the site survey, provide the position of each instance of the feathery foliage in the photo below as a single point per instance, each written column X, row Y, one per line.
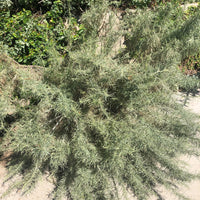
column 99, row 122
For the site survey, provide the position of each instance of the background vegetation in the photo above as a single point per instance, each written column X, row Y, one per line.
column 98, row 118
column 28, row 28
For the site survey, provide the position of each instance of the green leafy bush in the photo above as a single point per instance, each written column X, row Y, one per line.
column 29, row 35
column 27, row 38
column 76, row 6
column 99, row 123
column 33, row 5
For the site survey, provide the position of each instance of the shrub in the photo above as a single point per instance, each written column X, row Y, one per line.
column 29, row 35
column 159, row 45
column 191, row 63
column 99, row 122
column 146, row 3
column 28, row 31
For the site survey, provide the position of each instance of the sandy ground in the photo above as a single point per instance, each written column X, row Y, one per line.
column 44, row 187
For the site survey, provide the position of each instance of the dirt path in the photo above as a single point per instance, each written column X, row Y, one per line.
column 44, row 187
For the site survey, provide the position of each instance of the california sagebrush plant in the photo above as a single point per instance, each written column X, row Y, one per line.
column 99, row 123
